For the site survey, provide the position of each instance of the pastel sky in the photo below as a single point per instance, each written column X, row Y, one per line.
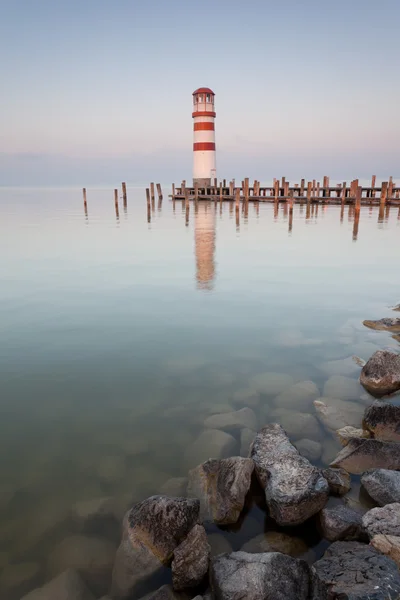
column 98, row 90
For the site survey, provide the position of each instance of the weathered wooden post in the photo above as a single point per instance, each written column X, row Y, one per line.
column 246, row 189
column 231, row 189
column 115, row 196
column 224, row 183
column 152, row 195
column 302, row 185
column 373, row 183
column 124, row 196
column 313, row 188
column 276, row 185
column 159, row 191
column 390, row 188
column 283, row 185
column 196, row 191
column 343, row 193
column 291, row 211
column 286, row 189
column 309, row 188
column 237, row 198
column 84, row 196
column 325, row 192
column 384, row 190
column 358, row 198
column 183, row 187
column 317, row 191
column 173, row 191
column 220, row 191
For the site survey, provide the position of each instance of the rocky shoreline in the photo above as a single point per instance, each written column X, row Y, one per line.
column 173, row 531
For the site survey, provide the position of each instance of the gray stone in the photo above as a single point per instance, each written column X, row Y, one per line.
column 219, row 544
column 221, row 486
column 347, row 433
column 133, row 564
column 270, row 384
column 294, row 489
column 176, row 487
column 341, row 523
column 265, row 576
column 330, row 449
column 382, row 420
column 309, row 449
column 381, row 375
column 341, row 387
column 234, row 421
column 344, row 366
column 18, row 579
column 335, row 414
column 383, row 520
column 87, row 514
column 339, row 481
column 211, row 443
column 298, row 397
column 166, row 592
column 246, row 439
column 354, row 571
column 388, row 545
column 361, row 455
column 386, row 324
column 66, row 586
column 382, row 485
column 298, row 425
column 246, row 397
column 275, row 541
column 190, row 562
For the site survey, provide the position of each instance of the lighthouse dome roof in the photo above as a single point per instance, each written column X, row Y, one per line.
column 203, row 90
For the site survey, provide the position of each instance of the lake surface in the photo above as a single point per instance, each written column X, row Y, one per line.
column 122, row 334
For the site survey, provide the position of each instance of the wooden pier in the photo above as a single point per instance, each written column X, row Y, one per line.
column 281, row 191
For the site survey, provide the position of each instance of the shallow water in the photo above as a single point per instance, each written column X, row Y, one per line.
column 122, row 334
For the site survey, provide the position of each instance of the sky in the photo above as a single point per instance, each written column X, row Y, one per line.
column 98, row 91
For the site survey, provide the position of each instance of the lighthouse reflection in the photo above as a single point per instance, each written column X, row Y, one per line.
column 204, row 236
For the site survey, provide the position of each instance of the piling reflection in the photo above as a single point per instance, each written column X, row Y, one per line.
column 204, row 236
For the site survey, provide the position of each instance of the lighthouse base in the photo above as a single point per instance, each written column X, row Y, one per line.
column 202, row 181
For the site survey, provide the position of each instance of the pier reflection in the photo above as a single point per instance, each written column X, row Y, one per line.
column 204, row 236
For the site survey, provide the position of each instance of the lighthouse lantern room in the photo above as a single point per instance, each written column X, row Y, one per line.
column 204, row 163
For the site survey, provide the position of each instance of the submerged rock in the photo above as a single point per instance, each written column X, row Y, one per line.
column 266, row 576
column 382, row 485
column 382, row 419
column 309, row 449
column 299, row 425
column 354, row 571
column 246, row 397
column 294, row 489
column 246, row 439
column 221, row 486
column 275, row 541
column 218, row 544
column 341, row 387
column 270, row 384
column 386, row 324
column 335, row 414
column 190, row 562
column 66, row 586
column 176, row 487
column 388, row 545
column 381, row 375
column 341, row 523
column 347, row 433
column 339, row 481
column 233, row 421
column 17, row 579
column 211, row 443
column 361, row 455
column 166, row 592
column 298, row 397
column 89, row 514
column 383, row 520
column 344, row 366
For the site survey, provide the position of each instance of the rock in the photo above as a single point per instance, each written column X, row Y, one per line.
column 361, row 455
column 218, row 544
column 294, row 489
column 335, row 414
column 392, row 325
column 354, row 571
column 341, row 387
column 344, row 366
column 152, row 530
column 176, row 487
column 233, row 421
column 381, row 374
column 87, row 514
column 330, row 449
column 358, row 361
column 246, row 439
column 338, row 480
column 166, row 592
column 221, row 486
column 346, row 433
column 309, row 449
column 275, row 541
column 211, row 443
column 270, row 384
column 246, row 397
column 266, row 576
column 66, row 586
column 341, row 523
column 382, row 485
column 18, row 579
column 92, row 557
column 388, row 545
column 397, row 307
column 382, row 419
column 298, row 397
column 190, row 563
column 300, row 425
column 384, row 520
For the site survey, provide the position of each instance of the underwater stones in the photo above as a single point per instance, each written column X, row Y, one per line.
column 270, row 384
column 86, row 514
column 18, row 579
column 335, row 414
column 111, row 469
column 339, row 481
column 232, row 421
column 346, row 366
column 344, row 388
column 294, row 489
column 363, row 454
column 66, row 586
column 218, row 544
column 383, row 520
column 298, row 397
column 190, row 562
column 341, row 523
column 211, row 443
column 388, row 545
column 354, row 571
column 265, row 576
column 330, row 448
column 175, row 487
column 345, row 434
column 310, row 449
column 275, row 541
column 300, row 425
column 221, row 486
column 166, row 592
column 246, row 439
column 381, row 375
column 382, row 419
column 386, row 324
column 246, row 397
column 132, row 565
column 382, row 485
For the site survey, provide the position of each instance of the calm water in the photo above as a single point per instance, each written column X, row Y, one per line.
column 121, row 336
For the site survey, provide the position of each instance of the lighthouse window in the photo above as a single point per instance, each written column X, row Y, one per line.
column 200, row 98
column 208, row 98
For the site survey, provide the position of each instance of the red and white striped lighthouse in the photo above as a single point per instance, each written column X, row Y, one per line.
column 204, row 164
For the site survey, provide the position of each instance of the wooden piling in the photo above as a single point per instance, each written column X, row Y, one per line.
column 220, row 191
column 183, row 187
column 196, row 191
column 313, row 188
column 148, row 196
column 116, row 196
column 246, row 189
column 325, row 193
column 286, row 189
column 276, row 191
column 390, row 188
column 373, row 182
column 84, row 196
column 358, row 198
column 124, row 195
column 302, row 185
column 384, row 191
column 152, row 195
column 283, row 185
column 159, row 191
column 237, row 197
column 309, row 189
column 231, row 186
column 317, row 190
column 343, row 193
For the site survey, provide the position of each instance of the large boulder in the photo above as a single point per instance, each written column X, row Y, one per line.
column 221, row 486
column 386, row 324
column 345, row 434
column 382, row 485
column 383, row 520
column 354, row 571
column 382, row 419
column 298, row 397
column 381, row 375
column 339, row 481
column 276, row 541
column 232, row 421
column 294, row 489
column 389, row 545
column 211, row 443
column 66, row 586
column 335, row 414
column 360, row 455
column 265, row 576
column 341, row 523
column 152, row 530
column 190, row 563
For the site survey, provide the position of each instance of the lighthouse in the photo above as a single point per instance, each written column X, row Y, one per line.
column 204, row 164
